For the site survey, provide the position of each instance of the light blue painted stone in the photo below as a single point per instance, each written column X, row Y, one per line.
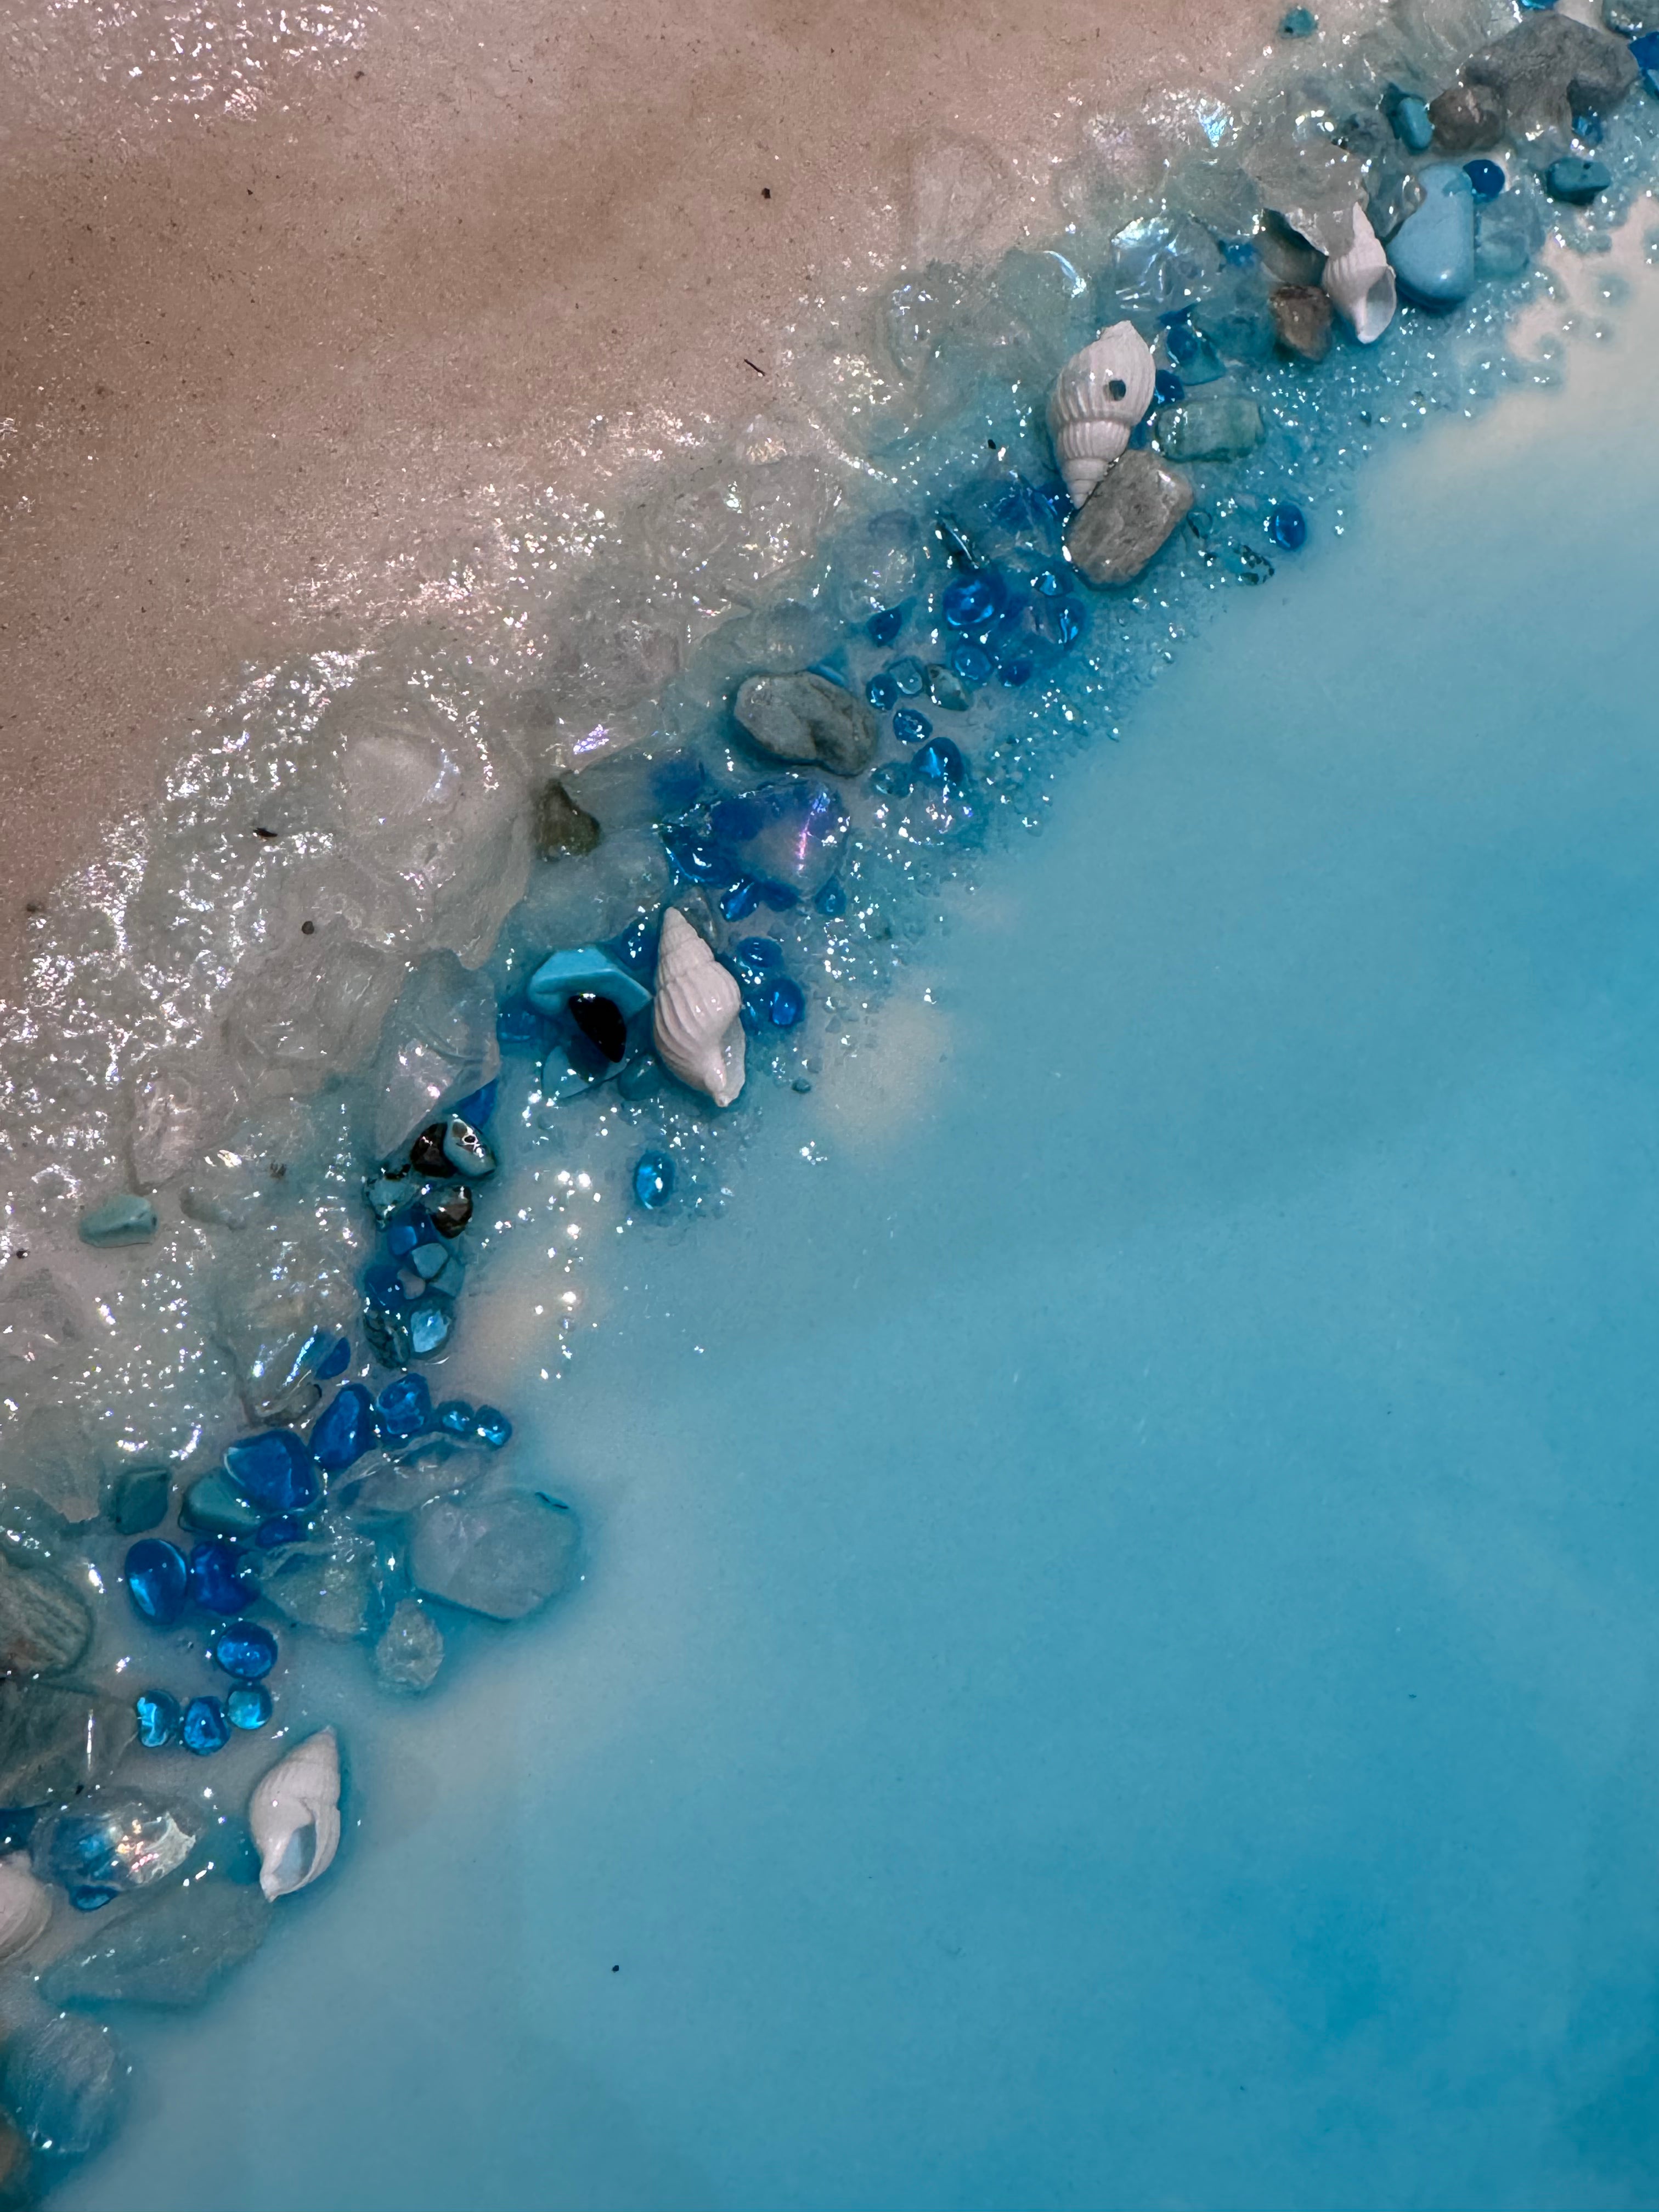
column 1433, row 250
column 587, row 968
column 124, row 1219
column 1217, row 430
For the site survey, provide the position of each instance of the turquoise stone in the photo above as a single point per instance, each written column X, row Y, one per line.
column 122, row 1219
column 1433, row 250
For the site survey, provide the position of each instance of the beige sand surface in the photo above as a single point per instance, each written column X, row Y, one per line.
column 295, row 299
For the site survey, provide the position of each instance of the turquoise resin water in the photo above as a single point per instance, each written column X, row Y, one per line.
column 1117, row 1662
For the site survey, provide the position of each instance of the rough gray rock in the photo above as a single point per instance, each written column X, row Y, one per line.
column 44, row 1627
column 1302, row 320
column 411, row 1649
column 1127, row 516
column 562, row 828
column 504, row 1556
column 1466, row 118
column 166, row 1950
column 64, row 2083
column 806, row 718
column 55, row 1741
column 1550, row 69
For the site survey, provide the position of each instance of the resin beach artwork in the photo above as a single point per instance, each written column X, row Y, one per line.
column 827, row 1317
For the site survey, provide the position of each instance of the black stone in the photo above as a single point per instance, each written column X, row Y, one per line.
column 600, row 1021
column 426, row 1155
column 451, row 1210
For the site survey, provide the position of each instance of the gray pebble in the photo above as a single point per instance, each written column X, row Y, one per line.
column 1550, row 69
column 1127, row 516
column 1302, row 320
column 806, row 718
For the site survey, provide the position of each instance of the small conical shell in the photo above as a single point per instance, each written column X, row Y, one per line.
column 294, row 1814
column 694, row 1023
column 1361, row 282
column 1099, row 397
column 24, row 1906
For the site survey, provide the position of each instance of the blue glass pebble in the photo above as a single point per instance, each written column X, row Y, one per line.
column 405, row 1407
column 909, row 726
column 345, row 1431
column 157, row 1580
column 885, row 627
column 274, row 1470
column 248, row 1706
column 431, row 1324
column 1299, row 23
column 780, row 897
column 892, row 779
column 969, row 603
column 742, row 900
column 1047, row 583
column 455, row 1417
column 737, row 819
column 653, row 1180
column 492, row 1427
column 205, row 1728
column 786, row 1003
column 1287, row 525
column 1167, row 390
column 216, row 1580
column 881, row 691
column 831, row 900
column 337, row 1362
column 477, row 1106
column 908, row 675
column 972, row 662
column 158, row 1718
column 281, row 1528
column 1645, row 53
column 761, row 952
column 92, row 1896
column 1015, row 672
column 1487, row 178
column 245, row 1650
column 383, row 1285
column 408, row 1228
column 1068, row 622
column 1588, row 130
column 940, row 763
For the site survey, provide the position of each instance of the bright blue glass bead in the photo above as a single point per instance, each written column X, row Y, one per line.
column 1487, row 178
column 248, row 1706
column 205, row 1728
column 885, row 627
column 346, row 1429
column 411, row 1227
column 786, row 1003
column 216, row 1580
column 245, row 1650
column 281, row 1528
column 969, row 603
column 90, row 1896
column 971, row 662
column 909, row 726
column 1014, row 672
column 831, row 900
column 1167, row 390
column 1287, row 525
column 751, row 1012
column 892, row 779
column 881, row 691
column 742, row 900
column 1646, row 52
column 737, row 819
column 702, row 859
column 1047, row 583
column 158, row 1718
column 431, row 1324
column 908, row 675
column 492, row 1427
column 157, row 1580
column 759, row 953
column 337, row 1362
column 454, row 1418
column 273, row 1469
column 477, row 1106
column 383, row 1285
column 653, row 1180
column 1068, row 622
column 405, row 1407
column 940, row 763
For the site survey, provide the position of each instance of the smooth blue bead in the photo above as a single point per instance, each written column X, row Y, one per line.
column 454, row 1417
column 908, row 675
column 274, row 1470
column 881, row 691
column 405, row 1407
column 1412, row 124
column 205, row 1728
column 249, row 1706
column 742, row 900
column 246, row 1649
column 1047, row 584
column 157, row 1580
column 158, row 1718
column 969, row 603
column 281, row 1528
column 1287, row 525
column 653, row 1180
column 786, row 1003
column 885, row 627
column 831, row 900
column 337, row 1363
column 1575, row 182
column 492, row 1427
column 409, row 1227
column 383, row 1285
column 216, row 1580
column 1486, row 177
column 909, row 726
column 1014, row 672
column 940, row 763
column 431, row 1323
column 1167, row 390
column 972, row 662
column 1300, row 23
column 761, row 952
column 892, row 779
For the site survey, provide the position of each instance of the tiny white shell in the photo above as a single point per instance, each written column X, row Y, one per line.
column 300, row 1794
column 1361, row 282
column 696, row 1023
column 1099, row 397
column 24, row 1906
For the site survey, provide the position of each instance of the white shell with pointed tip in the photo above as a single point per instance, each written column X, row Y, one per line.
column 1089, row 423
column 24, row 1906
column 1361, row 282
column 694, row 1023
column 297, row 1805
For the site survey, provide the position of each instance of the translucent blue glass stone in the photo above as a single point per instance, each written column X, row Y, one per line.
column 1141, row 436
column 1487, row 178
column 742, row 900
column 972, row 662
column 653, row 1180
column 345, row 1431
column 477, row 1106
column 405, row 1407
column 1167, row 390
column 751, row 1012
column 158, row 1718
column 1646, row 52
column 1068, row 622
column 892, row 779
column 248, row 1706
column 337, row 1362
column 431, row 1325
column 216, row 1580
column 786, row 1003
column 455, row 1417
column 969, row 603
column 779, row 897
column 940, row 763
column 90, row 1896
column 700, row 858
column 274, row 1470
column 1300, row 23
column 758, row 954
column 946, row 690
column 492, row 1427
column 881, row 691
column 383, row 1285
column 205, row 1728
column 1287, row 525
column 737, row 819
column 157, row 1580
column 1588, row 130
column 885, row 626
column 409, row 1227
column 281, row 1529
column 831, row 900
column 245, row 1650
column 1014, row 672
column 1047, row 583
column 909, row 726
column 908, row 675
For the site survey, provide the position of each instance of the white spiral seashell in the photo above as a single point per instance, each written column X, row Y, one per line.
column 24, row 1906
column 1361, row 282
column 1099, row 397
column 294, row 1814
column 695, row 1022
